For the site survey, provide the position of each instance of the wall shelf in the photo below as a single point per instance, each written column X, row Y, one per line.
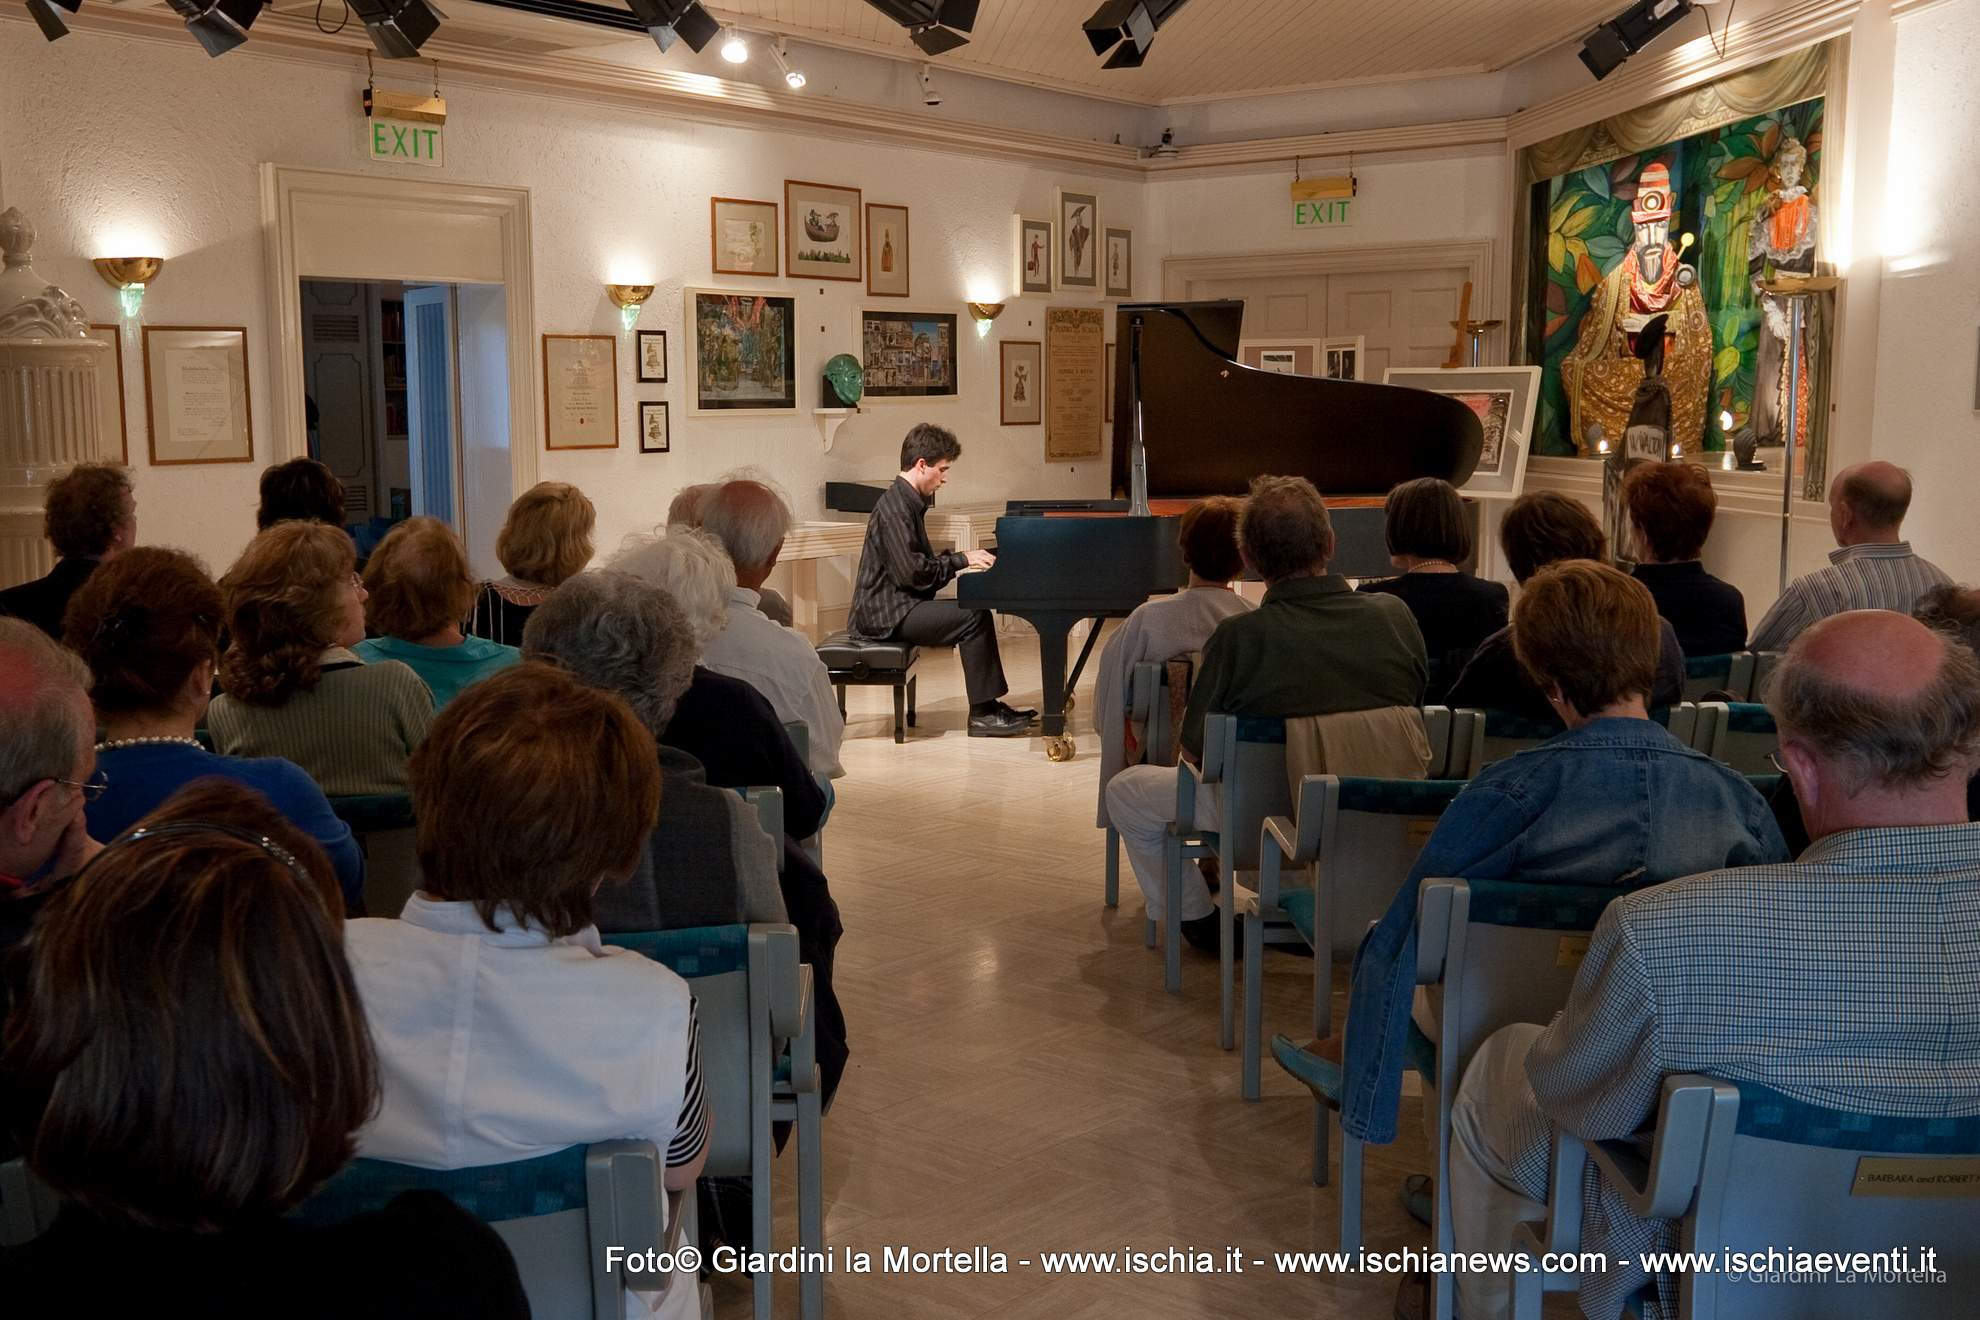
column 829, row 421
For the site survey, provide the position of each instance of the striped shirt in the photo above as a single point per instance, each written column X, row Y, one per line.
column 898, row 568
column 352, row 732
column 1883, row 575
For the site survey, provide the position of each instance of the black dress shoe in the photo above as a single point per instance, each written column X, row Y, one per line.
column 1028, row 716
column 996, row 724
column 1201, row 933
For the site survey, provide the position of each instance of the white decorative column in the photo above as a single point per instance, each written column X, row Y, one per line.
column 48, row 394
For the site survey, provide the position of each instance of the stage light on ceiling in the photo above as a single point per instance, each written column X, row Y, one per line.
column 936, row 26
column 50, row 22
column 668, row 21
column 1127, row 27
column 793, row 76
column 220, row 25
column 397, row 28
column 734, row 48
column 1604, row 49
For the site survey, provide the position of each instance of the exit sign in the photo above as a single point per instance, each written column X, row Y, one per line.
column 1323, row 214
column 403, row 143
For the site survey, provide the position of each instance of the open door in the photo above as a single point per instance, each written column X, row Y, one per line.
column 433, row 414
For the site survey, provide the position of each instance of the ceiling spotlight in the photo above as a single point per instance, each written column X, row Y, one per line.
column 50, row 22
column 1604, row 49
column 780, row 52
column 1130, row 25
column 220, row 25
column 935, row 26
column 668, row 21
column 734, row 49
column 929, row 95
column 397, row 28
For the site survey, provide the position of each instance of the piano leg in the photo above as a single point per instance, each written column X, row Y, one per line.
column 1052, row 630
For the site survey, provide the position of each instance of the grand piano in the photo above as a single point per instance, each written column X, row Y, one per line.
column 1198, row 422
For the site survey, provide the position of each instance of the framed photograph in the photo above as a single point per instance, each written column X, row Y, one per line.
column 110, row 386
column 744, row 348
column 742, row 236
column 1341, row 357
column 1107, row 389
column 1021, row 368
column 1032, row 253
column 196, row 394
column 886, row 250
column 652, row 348
column 1504, row 399
column 653, row 436
column 581, row 391
column 907, row 355
column 821, row 231
column 1118, row 253
column 1288, row 357
column 1078, row 215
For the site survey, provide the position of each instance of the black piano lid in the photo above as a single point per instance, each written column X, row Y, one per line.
column 1211, row 424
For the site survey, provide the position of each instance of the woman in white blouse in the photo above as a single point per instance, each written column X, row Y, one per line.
column 505, row 1029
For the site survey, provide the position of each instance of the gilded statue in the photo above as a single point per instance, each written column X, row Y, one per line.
column 1781, row 242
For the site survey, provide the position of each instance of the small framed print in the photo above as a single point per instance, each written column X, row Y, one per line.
column 196, row 394
column 1504, row 399
column 1288, row 357
column 1118, row 253
column 110, row 385
column 653, row 435
column 1022, row 371
column 886, row 250
column 651, row 346
column 580, row 391
column 821, row 231
column 1109, row 388
column 1341, row 357
column 742, row 236
column 743, row 352
column 1032, row 254
column 1078, row 215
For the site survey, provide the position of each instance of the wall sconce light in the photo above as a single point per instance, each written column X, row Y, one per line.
column 985, row 313
column 129, row 276
column 629, row 298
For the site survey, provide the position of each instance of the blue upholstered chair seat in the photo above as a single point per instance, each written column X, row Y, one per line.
column 1297, row 904
column 1767, row 1113
column 701, row 951
column 544, row 1185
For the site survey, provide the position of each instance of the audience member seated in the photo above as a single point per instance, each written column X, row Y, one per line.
column 1956, row 610
column 1843, row 978
column 148, row 627
column 293, row 687
column 301, row 488
column 685, row 511
column 419, row 588
column 188, row 1060
column 90, row 518
column 1168, row 627
column 1615, row 800
column 1872, row 567
column 1671, row 506
column 707, row 863
column 531, row 792
column 546, row 539
column 1312, row 647
column 1430, row 540
column 749, row 520
column 722, row 722
column 1539, row 529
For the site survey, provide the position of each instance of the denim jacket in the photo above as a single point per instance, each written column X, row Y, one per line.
column 1617, row 801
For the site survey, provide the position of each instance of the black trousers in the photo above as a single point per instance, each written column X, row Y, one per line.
column 971, row 632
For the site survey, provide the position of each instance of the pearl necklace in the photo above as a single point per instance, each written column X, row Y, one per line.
column 112, row 744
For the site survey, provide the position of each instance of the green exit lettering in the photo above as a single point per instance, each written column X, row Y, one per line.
column 1311, row 215
column 411, row 144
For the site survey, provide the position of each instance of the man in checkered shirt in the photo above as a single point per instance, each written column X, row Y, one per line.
column 1872, row 566
column 1844, row 978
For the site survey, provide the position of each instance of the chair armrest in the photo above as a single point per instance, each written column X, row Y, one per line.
column 1217, row 729
column 1565, row 1164
column 1144, row 680
column 1440, row 905
column 627, row 1208
column 804, row 1045
column 1275, row 848
column 787, row 979
column 1663, row 1186
column 1467, row 743
column 768, row 800
column 1189, row 783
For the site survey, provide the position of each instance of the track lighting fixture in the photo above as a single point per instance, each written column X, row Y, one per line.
column 735, row 49
column 668, row 21
column 1604, row 49
column 1127, row 27
column 793, row 76
column 935, row 26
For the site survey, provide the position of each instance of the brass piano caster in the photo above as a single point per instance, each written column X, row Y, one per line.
column 1069, row 705
column 1059, row 749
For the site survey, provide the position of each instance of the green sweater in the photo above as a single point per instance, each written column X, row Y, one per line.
column 352, row 732
column 1313, row 647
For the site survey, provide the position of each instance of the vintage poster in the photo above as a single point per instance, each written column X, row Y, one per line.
column 1075, row 358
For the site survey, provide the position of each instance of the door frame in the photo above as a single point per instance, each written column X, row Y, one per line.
column 1474, row 256
column 422, row 222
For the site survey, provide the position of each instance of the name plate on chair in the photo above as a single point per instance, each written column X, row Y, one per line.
column 1913, row 1175
column 1571, row 950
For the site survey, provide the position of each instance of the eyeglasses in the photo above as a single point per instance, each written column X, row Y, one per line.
column 92, row 788
column 1774, row 759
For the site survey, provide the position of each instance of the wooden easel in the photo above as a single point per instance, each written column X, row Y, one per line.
column 1467, row 329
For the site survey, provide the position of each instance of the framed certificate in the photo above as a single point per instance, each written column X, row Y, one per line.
column 580, row 392
column 196, row 394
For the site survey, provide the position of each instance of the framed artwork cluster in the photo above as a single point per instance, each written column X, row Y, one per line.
column 827, row 233
column 650, row 368
column 1072, row 252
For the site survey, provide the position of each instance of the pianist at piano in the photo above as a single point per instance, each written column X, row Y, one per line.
column 899, row 574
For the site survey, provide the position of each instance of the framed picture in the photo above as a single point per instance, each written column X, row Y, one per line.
column 581, row 391
column 1021, row 368
column 1118, row 253
column 742, row 236
column 652, row 348
column 1340, row 357
column 1078, row 215
column 1107, row 387
column 821, row 231
column 110, row 386
column 1288, row 357
column 744, row 348
column 1504, row 399
column 653, row 436
column 196, row 394
column 886, row 250
column 1032, row 253
column 907, row 355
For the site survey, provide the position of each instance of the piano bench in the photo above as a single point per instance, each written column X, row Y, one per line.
column 850, row 660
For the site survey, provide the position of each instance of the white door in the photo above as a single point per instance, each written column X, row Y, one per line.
column 1404, row 316
column 431, row 411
